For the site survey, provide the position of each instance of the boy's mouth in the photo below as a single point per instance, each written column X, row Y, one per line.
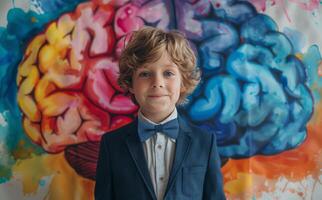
column 156, row 96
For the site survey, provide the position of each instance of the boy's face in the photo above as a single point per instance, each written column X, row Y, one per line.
column 156, row 87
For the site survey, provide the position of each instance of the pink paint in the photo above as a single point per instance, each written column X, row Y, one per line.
column 127, row 20
column 100, row 89
column 259, row 4
column 309, row 6
column 282, row 3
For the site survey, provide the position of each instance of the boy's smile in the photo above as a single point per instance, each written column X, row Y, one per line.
column 156, row 87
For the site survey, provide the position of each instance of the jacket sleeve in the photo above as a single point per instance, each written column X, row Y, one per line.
column 213, row 185
column 103, row 185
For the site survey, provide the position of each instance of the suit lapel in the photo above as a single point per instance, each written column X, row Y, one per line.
column 182, row 149
column 136, row 150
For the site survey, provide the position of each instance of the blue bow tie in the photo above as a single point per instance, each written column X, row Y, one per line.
column 147, row 130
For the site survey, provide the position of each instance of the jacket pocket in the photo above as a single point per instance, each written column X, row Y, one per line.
column 192, row 180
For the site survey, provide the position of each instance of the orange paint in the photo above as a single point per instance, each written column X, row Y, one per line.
column 320, row 69
column 294, row 165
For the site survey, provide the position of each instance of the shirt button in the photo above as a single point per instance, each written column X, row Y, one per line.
column 159, row 146
column 161, row 178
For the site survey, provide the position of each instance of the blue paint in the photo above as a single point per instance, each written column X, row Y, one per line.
column 254, row 30
column 252, row 82
column 42, row 182
column 4, row 179
column 221, row 93
column 232, row 11
column 312, row 59
column 225, row 132
column 296, row 37
column 222, row 38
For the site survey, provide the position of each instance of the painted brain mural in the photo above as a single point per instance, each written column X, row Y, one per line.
column 68, row 88
column 253, row 93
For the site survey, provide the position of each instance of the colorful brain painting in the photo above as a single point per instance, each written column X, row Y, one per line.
column 67, row 81
column 253, row 93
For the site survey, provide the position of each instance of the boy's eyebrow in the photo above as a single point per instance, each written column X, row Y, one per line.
column 142, row 67
column 166, row 65
column 171, row 65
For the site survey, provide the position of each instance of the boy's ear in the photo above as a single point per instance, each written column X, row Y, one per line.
column 131, row 90
column 182, row 88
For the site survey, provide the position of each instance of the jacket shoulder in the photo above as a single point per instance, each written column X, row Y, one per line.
column 120, row 132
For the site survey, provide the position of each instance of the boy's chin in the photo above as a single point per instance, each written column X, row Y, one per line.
column 159, row 109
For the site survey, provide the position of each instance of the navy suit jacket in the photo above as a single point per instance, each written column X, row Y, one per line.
column 122, row 172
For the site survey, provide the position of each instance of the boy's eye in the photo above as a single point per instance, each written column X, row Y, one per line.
column 144, row 74
column 168, row 73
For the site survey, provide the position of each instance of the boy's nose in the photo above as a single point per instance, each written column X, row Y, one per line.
column 158, row 82
column 155, row 86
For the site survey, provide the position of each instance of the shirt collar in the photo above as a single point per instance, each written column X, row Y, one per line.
column 172, row 116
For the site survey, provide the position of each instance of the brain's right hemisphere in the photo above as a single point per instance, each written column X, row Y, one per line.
column 252, row 95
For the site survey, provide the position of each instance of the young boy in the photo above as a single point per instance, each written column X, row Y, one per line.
column 159, row 155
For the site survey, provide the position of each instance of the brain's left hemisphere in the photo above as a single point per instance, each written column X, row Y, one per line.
column 68, row 90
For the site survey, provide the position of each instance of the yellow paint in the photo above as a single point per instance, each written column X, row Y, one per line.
column 56, row 37
column 65, row 184
column 65, row 24
column 29, row 83
column 47, row 58
column 29, row 107
column 56, row 103
column 299, row 56
column 21, row 151
column 32, row 130
column 242, row 184
column 43, row 88
column 33, row 19
column 30, row 57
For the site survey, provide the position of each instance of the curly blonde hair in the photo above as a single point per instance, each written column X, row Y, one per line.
column 147, row 45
